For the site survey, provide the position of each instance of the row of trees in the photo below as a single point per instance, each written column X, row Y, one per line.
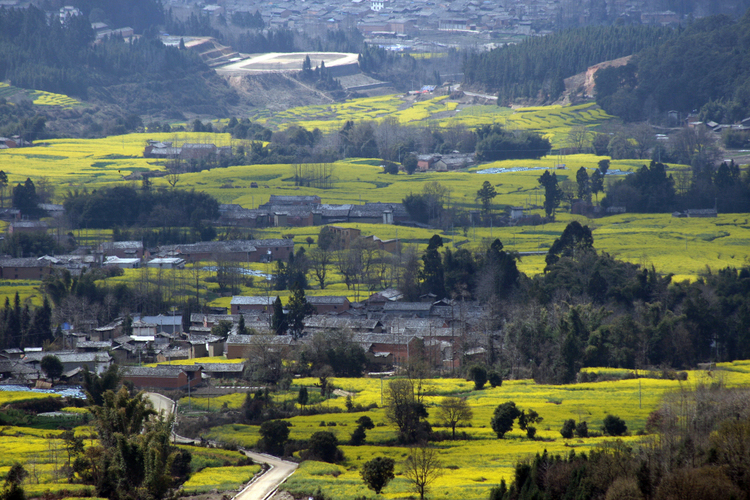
column 125, row 207
column 23, row 325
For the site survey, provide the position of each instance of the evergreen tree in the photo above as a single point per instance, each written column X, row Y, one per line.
column 298, row 308
column 433, row 279
column 552, row 193
column 486, row 194
column 278, row 320
column 584, row 184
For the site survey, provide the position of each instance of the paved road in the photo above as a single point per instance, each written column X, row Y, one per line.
column 263, row 486
column 267, row 484
column 161, row 403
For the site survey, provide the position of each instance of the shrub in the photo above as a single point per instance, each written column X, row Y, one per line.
column 479, row 375
column 502, row 420
column 495, row 379
column 377, row 473
column 358, row 437
column 323, row 446
column 567, row 428
column 614, row 426
column 582, row 430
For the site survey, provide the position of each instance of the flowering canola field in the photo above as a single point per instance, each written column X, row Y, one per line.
column 471, row 467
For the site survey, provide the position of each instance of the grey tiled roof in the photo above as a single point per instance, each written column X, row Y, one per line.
column 122, row 245
column 257, row 300
column 326, row 299
column 407, row 306
column 149, row 371
column 259, row 339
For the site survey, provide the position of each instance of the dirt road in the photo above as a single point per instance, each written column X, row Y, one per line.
column 261, row 487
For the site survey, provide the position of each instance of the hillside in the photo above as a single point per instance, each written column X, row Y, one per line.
column 706, row 66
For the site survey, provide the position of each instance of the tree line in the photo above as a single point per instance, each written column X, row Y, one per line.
column 37, row 53
column 126, row 207
column 536, row 67
column 702, row 67
column 698, row 450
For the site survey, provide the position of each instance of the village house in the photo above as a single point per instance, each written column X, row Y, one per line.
column 327, row 304
column 240, row 346
column 30, row 268
column 408, row 309
column 238, row 250
column 27, row 226
column 259, row 304
column 96, row 362
column 122, row 249
column 326, row 323
column 122, row 263
column 166, row 263
column 163, row 377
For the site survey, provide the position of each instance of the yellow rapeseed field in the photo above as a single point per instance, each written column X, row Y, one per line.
column 220, row 479
column 473, row 466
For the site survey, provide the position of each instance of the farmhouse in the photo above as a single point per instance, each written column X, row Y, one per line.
column 241, row 304
column 166, row 263
column 27, row 226
column 240, row 346
column 163, row 377
column 25, row 269
column 96, row 362
column 238, row 251
column 122, row 249
column 357, row 324
column 123, row 263
column 324, row 304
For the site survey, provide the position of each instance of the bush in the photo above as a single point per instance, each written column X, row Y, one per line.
column 502, row 420
column 323, row 446
column 567, row 428
column 530, row 432
column 582, row 430
column 614, row 426
column 479, row 375
column 358, row 437
column 377, row 473
column 495, row 379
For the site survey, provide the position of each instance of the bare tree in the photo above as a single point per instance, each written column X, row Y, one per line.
column 320, row 262
column 45, row 190
column 454, row 410
column 644, row 137
column 579, row 138
column 422, row 468
column 173, row 174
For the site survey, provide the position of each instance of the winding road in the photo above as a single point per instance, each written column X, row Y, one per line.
column 262, row 486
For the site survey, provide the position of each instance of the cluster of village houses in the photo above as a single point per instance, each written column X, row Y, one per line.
column 280, row 211
column 391, row 331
